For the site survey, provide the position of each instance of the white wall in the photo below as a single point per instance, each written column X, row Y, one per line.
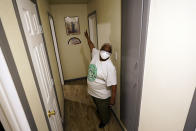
column 170, row 65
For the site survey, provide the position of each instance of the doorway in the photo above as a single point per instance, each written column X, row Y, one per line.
column 52, row 28
column 92, row 22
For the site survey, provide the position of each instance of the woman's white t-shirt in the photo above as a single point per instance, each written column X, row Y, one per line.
column 101, row 76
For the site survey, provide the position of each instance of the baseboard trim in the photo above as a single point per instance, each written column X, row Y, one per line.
column 70, row 80
column 119, row 122
column 64, row 116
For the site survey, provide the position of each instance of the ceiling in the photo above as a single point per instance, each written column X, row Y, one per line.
column 68, row 1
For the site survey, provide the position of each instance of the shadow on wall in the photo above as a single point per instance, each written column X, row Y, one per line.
column 84, row 57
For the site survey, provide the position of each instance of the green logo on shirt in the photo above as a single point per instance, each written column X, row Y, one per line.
column 92, row 72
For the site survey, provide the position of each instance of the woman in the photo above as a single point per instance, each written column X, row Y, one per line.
column 102, row 82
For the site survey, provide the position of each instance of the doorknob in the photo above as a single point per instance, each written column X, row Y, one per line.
column 50, row 113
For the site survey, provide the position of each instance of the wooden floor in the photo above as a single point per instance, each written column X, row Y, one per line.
column 80, row 111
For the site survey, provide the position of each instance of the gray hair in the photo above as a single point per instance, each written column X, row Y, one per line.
column 107, row 44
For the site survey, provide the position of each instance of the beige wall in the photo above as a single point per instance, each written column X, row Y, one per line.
column 170, row 69
column 109, row 30
column 74, row 58
column 16, row 44
column 43, row 7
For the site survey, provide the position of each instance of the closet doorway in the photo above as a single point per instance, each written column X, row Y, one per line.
column 52, row 28
column 92, row 22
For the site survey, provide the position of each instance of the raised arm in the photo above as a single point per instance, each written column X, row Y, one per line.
column 90, row 43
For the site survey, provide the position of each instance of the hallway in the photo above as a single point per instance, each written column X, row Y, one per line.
column 147, row 65
column 80, row 111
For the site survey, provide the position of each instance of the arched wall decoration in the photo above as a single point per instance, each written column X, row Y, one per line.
column 74, row 41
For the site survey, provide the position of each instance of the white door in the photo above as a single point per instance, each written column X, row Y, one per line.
column 11, row 110
column 56, row 49
column 33, row 33
column 93, row 29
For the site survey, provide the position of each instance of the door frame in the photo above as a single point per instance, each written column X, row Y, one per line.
column 89, row 15
column 141, row 61
column 16, row 79
column 56, row 50
column 190, row 124
column 3, row 121
column 31, row 63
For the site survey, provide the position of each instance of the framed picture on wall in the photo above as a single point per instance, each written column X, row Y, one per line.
column 72, row 25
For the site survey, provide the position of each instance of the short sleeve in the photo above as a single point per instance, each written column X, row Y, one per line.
column 94, row 52
column 111, row 76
